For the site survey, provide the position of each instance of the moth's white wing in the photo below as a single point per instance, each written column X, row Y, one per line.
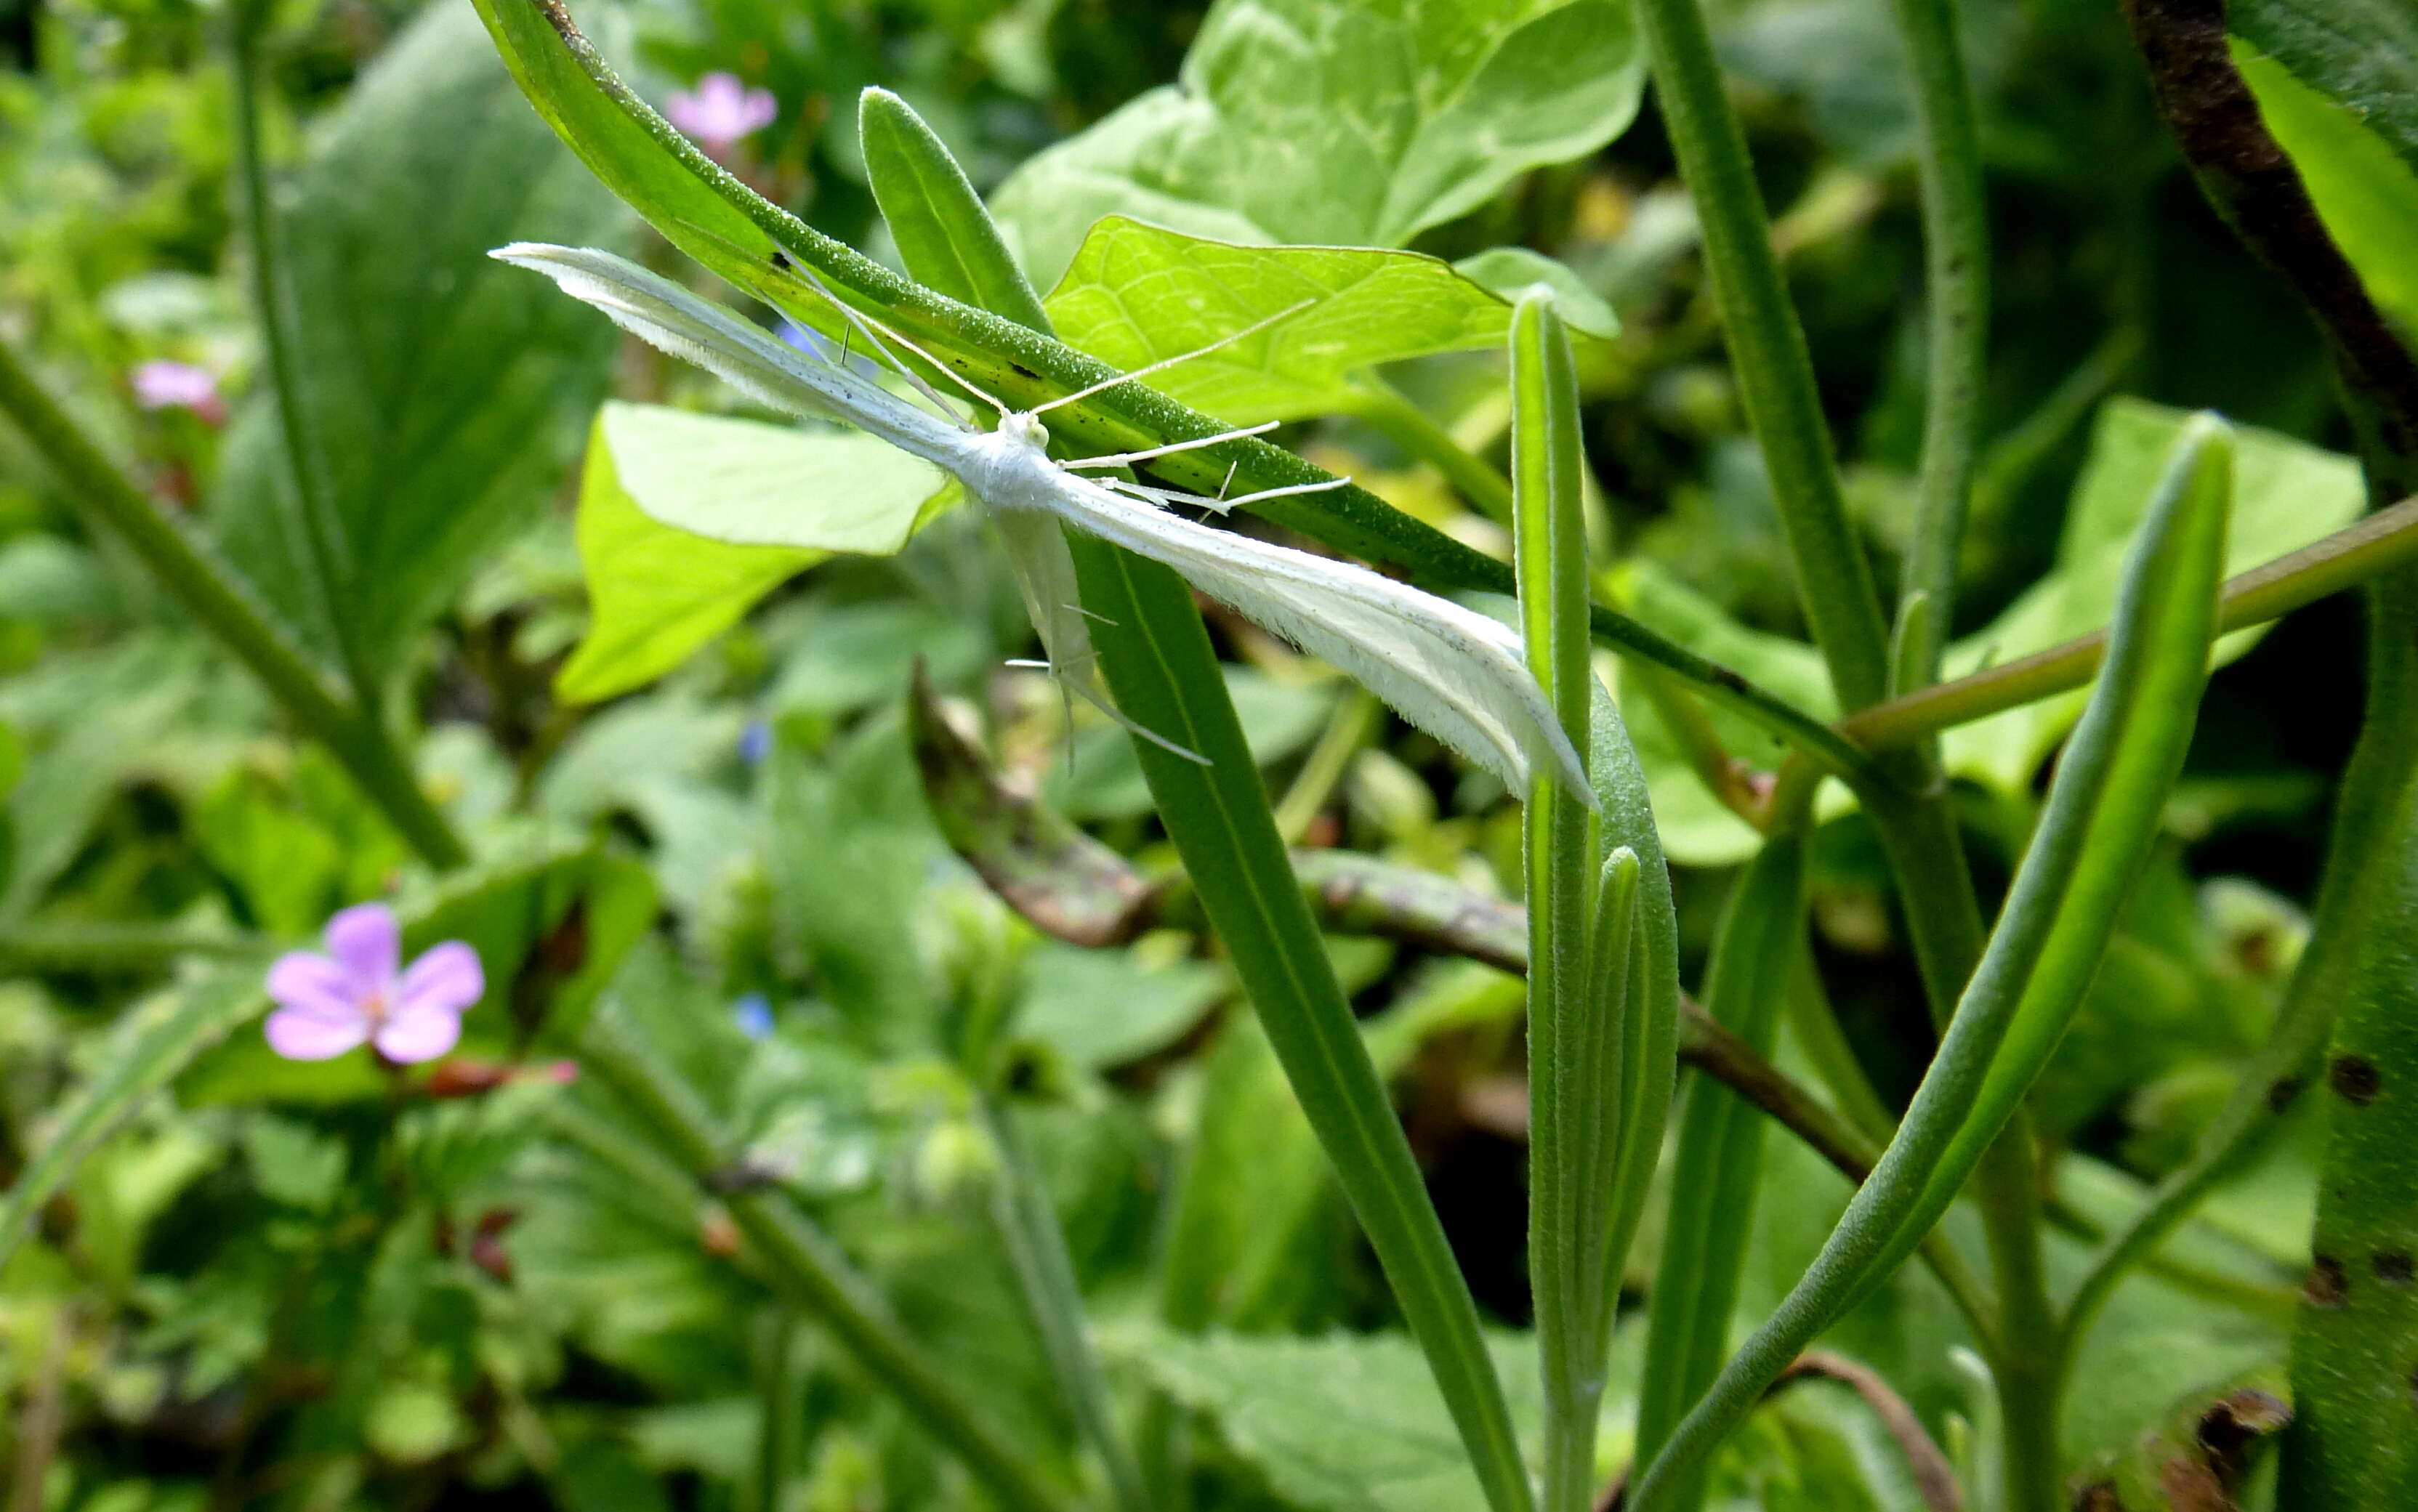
column 1044, row 575
column 694, row 330
column 1451, row 671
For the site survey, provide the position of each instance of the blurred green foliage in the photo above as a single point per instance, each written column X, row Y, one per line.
column 685, row 774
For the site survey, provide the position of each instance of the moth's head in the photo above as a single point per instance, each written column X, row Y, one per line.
column 1027, row 429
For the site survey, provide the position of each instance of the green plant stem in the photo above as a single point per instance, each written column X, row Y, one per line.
column 1833, row 578
column 776, row 1421
column 2375, row 545
column 1718, row 1161
column 1036, row 1251
column 1957, row 253
column 2060, row 910
column 214, row 596
column 1732, row 690
column 119, row 947
column 810, row 1272
column 1577, row 1002
column 1767, row 351
column 279, row 330
column 1383, row 408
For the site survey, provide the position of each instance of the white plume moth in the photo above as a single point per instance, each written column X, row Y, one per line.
column 1451, row 671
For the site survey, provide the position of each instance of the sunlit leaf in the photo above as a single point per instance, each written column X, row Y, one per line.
column 1136, row 293
column 686, row 520
column 2367, row 197
column 1327, row 122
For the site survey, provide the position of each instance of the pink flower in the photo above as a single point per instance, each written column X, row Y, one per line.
column 160, row 383
column 720, row 112
column 328, row 1004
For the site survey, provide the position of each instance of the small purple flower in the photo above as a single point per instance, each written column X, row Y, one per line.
column 328, row 1004
column 720, row 112
column 160, row 383
column 755, row 743
column 754, row 1013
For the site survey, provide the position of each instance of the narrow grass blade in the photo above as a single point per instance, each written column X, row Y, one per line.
column 149, row 1048
column 2062, row 907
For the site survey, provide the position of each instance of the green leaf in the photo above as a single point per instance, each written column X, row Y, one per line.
column 147, row 1048
column 2368, row 197
column 1511, row 271
column 443, row 391
column 1137, row 292
column 851, row 850
column 752, row 484
column 686, row 520
column 1330, row 122
column 2067, row 896
column 1164, row 674
column 1347, row 1423
column 1102, row 1008
column 2363, row 54
column 945, row 235
column 2286, row 494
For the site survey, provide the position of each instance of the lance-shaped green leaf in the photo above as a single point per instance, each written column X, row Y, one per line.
column 2062, row 908
column 921, row 188
column 1136, row 293
column 148, row 1048
column 442, row 393
column 1575, row 1030
column 1326, row 121
column 686, row 520
column 1163, row 672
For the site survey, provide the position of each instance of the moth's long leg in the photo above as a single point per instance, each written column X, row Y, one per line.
column 1092, row 695
column 1118, row 459
column 1166, row 497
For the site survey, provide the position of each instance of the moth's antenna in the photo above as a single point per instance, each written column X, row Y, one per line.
column 1166, row 362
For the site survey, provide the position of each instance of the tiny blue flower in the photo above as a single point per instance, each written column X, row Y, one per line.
column 754, row 1015
column 805, row 341
column 755, row 742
